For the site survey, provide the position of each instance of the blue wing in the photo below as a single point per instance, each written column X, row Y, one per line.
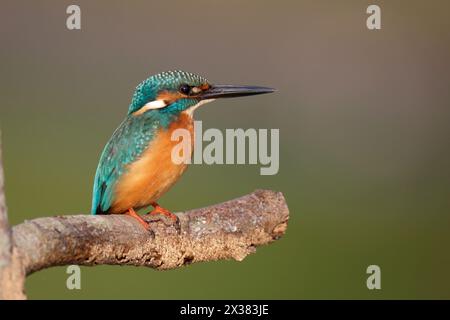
column 125, row 146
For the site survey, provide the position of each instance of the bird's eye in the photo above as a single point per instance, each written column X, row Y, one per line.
column 185, row 89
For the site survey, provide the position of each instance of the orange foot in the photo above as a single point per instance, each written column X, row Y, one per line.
column 160, row 210
column 133, row 214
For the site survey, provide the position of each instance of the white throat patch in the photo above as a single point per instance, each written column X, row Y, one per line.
column 190, row 111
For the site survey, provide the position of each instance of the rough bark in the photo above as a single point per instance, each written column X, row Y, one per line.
column 230, row 230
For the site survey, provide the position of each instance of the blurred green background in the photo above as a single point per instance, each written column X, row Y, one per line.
column 364, row 120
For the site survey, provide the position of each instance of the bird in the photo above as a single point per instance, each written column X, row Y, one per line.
column 135, row 168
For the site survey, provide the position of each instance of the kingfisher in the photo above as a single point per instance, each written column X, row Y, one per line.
column 135, row 167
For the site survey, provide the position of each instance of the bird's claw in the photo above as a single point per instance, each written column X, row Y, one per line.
column 168, row 221
column 166, row 215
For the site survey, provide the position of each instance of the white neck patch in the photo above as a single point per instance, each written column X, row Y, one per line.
column 156, row 104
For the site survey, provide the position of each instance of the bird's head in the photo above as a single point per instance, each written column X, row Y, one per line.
column 177, row 91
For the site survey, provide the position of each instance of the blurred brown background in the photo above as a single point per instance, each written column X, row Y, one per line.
column 364, row 120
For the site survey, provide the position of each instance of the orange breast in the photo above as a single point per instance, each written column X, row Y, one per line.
column 148, row 178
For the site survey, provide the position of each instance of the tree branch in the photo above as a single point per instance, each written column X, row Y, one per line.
column 230, row 230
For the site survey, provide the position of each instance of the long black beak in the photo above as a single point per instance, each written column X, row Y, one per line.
column 230, row 91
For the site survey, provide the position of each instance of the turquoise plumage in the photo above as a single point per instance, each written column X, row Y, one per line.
column 135, row 167
column 125, row 146
column 134, row 134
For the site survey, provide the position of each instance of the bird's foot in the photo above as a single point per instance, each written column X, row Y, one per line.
column 160, row 210
column 157, row 210
column 133, row 214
